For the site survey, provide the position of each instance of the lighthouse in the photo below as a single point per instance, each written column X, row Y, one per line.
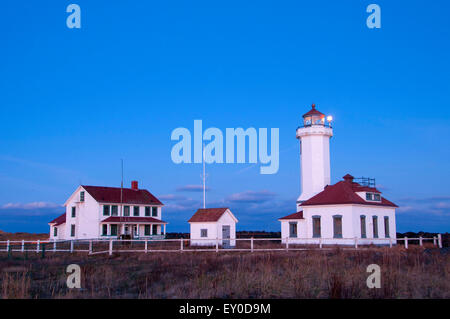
column 314, row 136
column 349, row 212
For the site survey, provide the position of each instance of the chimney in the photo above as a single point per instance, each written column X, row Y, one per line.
column 348, row 178
column 134, row 185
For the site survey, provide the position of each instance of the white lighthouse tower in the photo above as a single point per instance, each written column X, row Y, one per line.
column 314, row 138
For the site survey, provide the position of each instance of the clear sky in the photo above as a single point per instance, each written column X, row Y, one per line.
column 74, row 102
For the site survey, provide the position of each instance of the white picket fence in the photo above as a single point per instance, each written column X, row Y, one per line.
column 99, row 246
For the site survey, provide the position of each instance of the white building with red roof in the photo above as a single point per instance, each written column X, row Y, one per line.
column 109, row 212
column 334, row 214
column 213, row 225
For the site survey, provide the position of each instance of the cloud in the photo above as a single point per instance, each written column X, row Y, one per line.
column 30, row 206
column 186, row 205
column 192, row 188
column 251, row 197
column 438, row 205
column 171, row 197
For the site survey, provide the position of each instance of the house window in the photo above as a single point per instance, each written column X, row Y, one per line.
column 72, row 230
column 113, row 230
column 147, row 211
column 114, row 210
column 55, row 231
column 337, row 226
column 293, row 229
column 203, row 233
column 386, row 226
column 147, row 230
column 377, row 197
column 126, row 211
column 369, row 196
column 375, row 226
column 105, row 210
column 104, row 230
column 154, row 211
column 363, row 226
column 155, row 230
column 316, row 226
column 81, row 196
column 74, row 211
column 136, row 211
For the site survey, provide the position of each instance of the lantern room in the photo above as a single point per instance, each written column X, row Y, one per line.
column 314, row 117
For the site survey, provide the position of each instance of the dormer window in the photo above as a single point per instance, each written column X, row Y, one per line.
column 373, row 197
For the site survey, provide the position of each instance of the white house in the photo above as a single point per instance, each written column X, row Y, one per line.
column 108, row 212
column 209, row 225
column 339, row 213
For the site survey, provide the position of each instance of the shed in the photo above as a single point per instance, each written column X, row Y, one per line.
column 212, row 225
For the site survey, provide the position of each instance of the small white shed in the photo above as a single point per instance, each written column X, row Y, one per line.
column 209, row 225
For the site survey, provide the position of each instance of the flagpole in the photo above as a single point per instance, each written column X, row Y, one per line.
column 121, row 197
column 204, row 178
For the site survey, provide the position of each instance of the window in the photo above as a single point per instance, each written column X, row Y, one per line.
column 337, row 226
column 293, row 229
column 154, row 211
column 147, row 230
column 369, row 196
column 147, row 211
column 316, row 227
column 105, row 210
column 113, row 230
column 375, row 226
column 377, row 197
column 203, row 233
column 114, row 210
column 55, row 231
column 126, row 211
column 81, row 196
column 386, row 226
column 155, row 230
column 363, row 226
column 72, row 230
column 73, row 212
column 136, row 211
column 104, row 230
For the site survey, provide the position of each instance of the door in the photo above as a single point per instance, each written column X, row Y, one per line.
column 226, row 235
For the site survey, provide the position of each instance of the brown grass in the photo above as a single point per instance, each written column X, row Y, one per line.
column 413, row 273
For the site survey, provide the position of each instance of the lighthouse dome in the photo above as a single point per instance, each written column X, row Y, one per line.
column 313, row 117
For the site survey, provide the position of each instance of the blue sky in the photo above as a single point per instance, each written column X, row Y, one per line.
column 74, row 102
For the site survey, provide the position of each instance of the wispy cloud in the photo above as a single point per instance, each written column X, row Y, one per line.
column 438, row 205
column 24, row 211
column 191, row 188
column 251, row 197
column 33, row 205
column 172, row 197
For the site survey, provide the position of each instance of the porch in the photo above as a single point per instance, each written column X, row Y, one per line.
column 133, row 228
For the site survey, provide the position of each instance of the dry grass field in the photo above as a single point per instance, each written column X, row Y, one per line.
column 412, row 273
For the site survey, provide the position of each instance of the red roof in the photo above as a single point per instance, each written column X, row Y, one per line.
column 344, row 192
column 59, row 220
column 117, row 219
column 313, row 111
column 129, row 196
column 207, row 215
column 298, row 215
